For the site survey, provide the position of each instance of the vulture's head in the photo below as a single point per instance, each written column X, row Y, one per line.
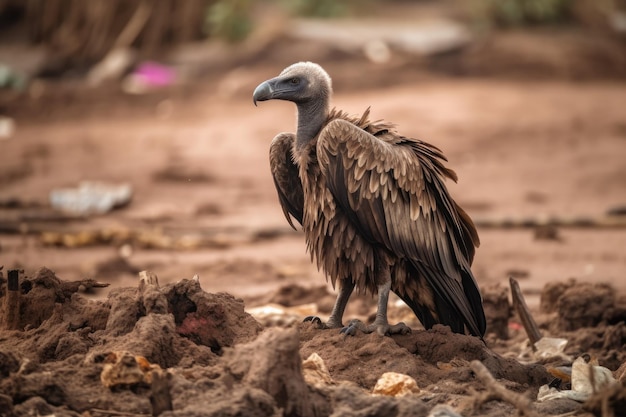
column 301, row 83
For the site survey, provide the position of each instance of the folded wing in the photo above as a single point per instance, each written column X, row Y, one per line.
column 392, row 189
column 286, row 179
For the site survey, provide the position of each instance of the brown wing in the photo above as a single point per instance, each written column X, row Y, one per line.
column 286, row 179
column 393, row 191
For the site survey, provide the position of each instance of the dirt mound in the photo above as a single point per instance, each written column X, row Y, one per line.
column 204, row 355
column 591, row 316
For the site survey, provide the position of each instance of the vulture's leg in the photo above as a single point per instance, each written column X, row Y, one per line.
column 381, row 324
column 346, row 286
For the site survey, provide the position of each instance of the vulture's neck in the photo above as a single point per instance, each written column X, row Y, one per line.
column 311, row 117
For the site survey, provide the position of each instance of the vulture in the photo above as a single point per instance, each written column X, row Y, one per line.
column 374, row 208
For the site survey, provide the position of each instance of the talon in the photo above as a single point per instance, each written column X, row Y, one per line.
column 399, row 328
column 349, row 330
column 314, row 320
column 352, row 327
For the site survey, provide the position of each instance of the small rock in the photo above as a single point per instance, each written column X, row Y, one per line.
column 126, row 369
column 315, row 371
column 395, row 385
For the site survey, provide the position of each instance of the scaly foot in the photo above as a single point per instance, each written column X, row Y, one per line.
column 382, row 328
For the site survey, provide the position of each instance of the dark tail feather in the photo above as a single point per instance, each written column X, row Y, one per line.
column 457, row 304
column 445, row 313
column 476, row 302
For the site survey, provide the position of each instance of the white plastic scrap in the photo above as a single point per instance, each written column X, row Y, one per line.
column 443, row 410
column 549, row 347
column 91, row 198
column 586, row 379
column 545, row 348
column 278, row 315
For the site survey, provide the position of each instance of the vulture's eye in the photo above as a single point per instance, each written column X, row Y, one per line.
column 295, row 81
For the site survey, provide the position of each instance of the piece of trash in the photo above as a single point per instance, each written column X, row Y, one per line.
column 125, row 369
column 7, row 127
column 11, row 78
column 443, row 410
column 587, row 379
column 377, row 51
column 278, row 315
column 394, row 384
column 547, row 393
column 425, row 37
column 545, row 348
column 111, row 67
column 315, row 371
column 149, row 76
column 91, row 198
column 551, row 347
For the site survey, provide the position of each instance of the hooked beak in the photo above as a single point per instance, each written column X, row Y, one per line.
column 265, row 91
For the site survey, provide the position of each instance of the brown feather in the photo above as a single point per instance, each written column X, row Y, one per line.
column 285, row 175
column 413, row 220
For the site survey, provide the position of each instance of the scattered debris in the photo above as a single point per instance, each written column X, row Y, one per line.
column 11, row 78
column 443, row 410
column 597, row 222
column 7, row 127
column 91, row 198
column 123, row 369
column 427, row 37
column 550, row 347
column 278, row 315
column 155, row 237
column 587, row 378
column 149, row 76
column 178, row 349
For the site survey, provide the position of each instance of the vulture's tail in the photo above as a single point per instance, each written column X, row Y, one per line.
column 458, row 305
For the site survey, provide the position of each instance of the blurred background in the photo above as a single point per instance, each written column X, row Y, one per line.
column 129, row 141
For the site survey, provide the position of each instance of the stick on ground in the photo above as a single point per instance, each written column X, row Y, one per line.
column 496, row 390
column 532, row 330
column 12, row 306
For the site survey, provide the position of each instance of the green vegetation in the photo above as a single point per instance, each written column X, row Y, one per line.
column 229, row 19
column 232, row 19
column 521, row 12
column 516, row 12
column 317, row 8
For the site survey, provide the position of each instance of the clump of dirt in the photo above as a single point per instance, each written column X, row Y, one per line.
column 219, row 361
column 591, row 316
column 497, row 310
column 213, row 320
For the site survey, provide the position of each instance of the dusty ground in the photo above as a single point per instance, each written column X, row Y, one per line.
column 521, row 149
column 196, row 157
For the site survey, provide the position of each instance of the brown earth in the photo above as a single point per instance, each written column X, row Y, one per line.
column 87, row 357
column 203, row 203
